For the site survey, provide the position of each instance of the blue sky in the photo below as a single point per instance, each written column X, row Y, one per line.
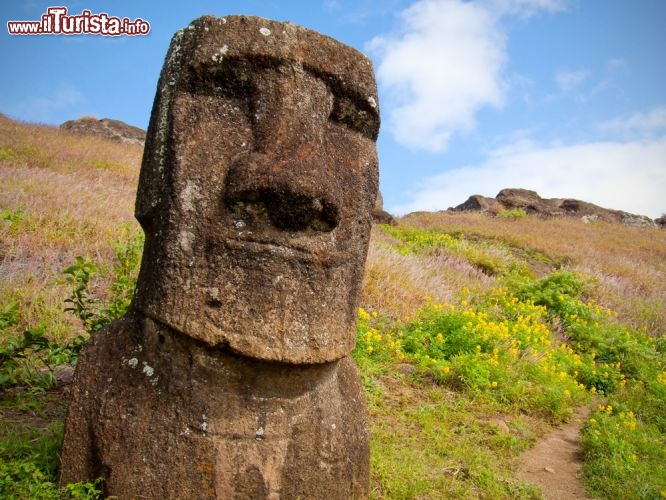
column 566, row 97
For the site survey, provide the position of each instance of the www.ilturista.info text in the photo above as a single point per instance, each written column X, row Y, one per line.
column 56, row 21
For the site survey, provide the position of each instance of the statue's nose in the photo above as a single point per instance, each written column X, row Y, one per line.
column 257, row 190
column 287, row 180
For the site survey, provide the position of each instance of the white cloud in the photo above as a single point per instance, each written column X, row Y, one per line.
column 648, row 124
column 628, row 176
column 439, row 71
column 568, row 80
column 443, row 65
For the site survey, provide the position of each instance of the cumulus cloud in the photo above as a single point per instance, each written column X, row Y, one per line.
column 439, row 70
column 628, row 176
column 443, row 65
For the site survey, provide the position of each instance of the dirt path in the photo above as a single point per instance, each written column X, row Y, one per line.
column 554, row 463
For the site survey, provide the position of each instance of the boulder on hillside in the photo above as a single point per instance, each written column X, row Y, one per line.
column 382, row 217
column 478, row 203
column 661, row 221
column 528, row 200
column 379, row 215
column 532, row 203
column 115, row 130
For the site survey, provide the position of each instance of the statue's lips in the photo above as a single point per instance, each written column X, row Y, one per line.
column 317, row 249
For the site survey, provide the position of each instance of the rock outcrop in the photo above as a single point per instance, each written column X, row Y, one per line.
column 379, row 215
column 532, row 203
column 114, row 130
column 230, row 376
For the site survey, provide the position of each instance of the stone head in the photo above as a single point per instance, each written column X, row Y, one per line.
column 256, row 189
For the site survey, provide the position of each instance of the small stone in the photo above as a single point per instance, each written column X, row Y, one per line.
column 406, row 368
column 64, row 374
column 500, row 425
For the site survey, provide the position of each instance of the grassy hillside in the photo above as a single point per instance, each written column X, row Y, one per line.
column 476, row 334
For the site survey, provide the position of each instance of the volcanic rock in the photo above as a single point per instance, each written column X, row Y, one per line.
column 114, row 130
column 532, row 203
column 230, row 376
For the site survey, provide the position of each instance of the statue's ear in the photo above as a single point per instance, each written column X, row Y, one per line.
column 153, row 178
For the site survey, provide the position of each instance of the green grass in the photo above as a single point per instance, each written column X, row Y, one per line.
column 526, row 352
column 29, row 463
column 536, row 346
column 29, row 460
column 492, row 258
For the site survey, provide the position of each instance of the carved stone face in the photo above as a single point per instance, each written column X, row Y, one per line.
column 256, row 189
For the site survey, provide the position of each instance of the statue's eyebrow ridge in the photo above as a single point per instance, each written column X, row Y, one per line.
column 211, row 77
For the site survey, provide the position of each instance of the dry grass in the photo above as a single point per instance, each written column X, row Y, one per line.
column 46, row 147
column 398, row 285
column 629, row 263
column 73, row 195
column 62, row 196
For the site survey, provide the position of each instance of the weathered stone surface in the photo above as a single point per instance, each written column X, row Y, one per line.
column 109, row 129
column 256, row 189
column 165, row 416
column 379, row 215
column 532, row 203
column 526, row 199
column 382, row 217
column 478, row 203
column 230, row 377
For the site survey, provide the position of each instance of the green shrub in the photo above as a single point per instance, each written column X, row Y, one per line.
column 14, row 217
column 96, row 313
column 513, row 213
column 30, row 360
column 7, row 154
column 542, row 346
column 29, row 463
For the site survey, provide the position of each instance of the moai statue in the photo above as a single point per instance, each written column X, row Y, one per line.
column 230, row 377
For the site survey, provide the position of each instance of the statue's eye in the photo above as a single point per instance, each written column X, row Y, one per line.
column 233, row 83
column 356, row 114
column 231, row 80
